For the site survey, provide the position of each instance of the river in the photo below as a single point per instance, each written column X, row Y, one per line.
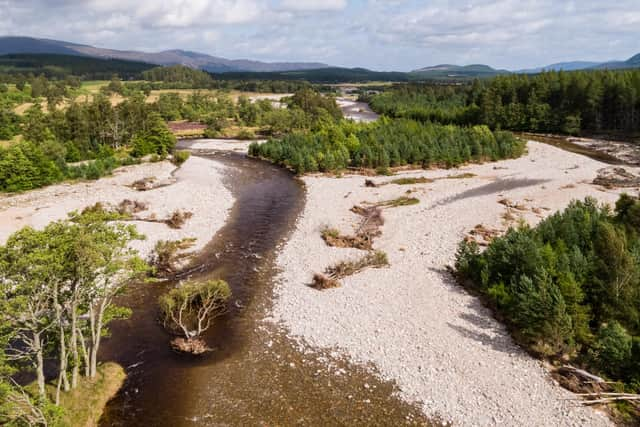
column 256, row 375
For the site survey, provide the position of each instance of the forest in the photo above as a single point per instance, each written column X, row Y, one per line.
column 561, row 102
column 62, row 66
column 53, row 143
column 387, row 143
column 569, row 288
column 88, row 139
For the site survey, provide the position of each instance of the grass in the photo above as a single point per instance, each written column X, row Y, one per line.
column 412, row 181
column 333, row 238
column 400, row 201
column 330, row 278
column 377, row 259
column 465, row 175
column 84, row 405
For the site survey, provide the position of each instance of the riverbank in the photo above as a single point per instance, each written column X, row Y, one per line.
column 84, row 405
column 411, row 320
column 196, row 187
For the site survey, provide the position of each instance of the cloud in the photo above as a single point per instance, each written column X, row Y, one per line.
column 313, row 5
column 381, row 34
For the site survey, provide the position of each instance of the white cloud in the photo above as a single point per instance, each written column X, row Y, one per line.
column 384, row 34
column 313, row 5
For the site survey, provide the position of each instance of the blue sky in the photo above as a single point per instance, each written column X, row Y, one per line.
column 382, row 35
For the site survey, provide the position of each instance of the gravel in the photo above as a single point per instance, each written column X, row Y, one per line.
column 417, row 326
column 199, row 189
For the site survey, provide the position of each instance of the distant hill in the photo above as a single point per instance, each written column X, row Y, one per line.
column 59, row 66
column 449, row 71
column 18, row 45
column 561, row 66
column 633, row 62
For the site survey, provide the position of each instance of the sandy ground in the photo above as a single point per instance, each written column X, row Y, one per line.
column 198, row 189
column 237, row 145
column 411, row 320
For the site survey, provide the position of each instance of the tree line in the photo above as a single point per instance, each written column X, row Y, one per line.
column 387, row 143
column 570, row 287
column 560, row 102
column 102, row 135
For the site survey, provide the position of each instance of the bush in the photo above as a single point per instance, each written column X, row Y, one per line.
column 168, row 256
column 180, row 156
column 613, row 348
column 246, row 134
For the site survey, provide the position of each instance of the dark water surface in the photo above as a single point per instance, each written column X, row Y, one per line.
column 256, row 375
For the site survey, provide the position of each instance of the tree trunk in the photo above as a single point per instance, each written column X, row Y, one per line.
column 96, row 335
column 37, row 344
column 85, row 352
column 74, row 346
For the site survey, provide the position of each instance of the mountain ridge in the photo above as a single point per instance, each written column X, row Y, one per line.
column 22, row 44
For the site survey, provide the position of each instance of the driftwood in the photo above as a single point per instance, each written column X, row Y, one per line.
column 609, row 398
column 582, row 374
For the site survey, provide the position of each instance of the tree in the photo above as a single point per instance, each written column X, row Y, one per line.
column 613, row 348
column 103, row 265
column 190, row 308
column 28, row 273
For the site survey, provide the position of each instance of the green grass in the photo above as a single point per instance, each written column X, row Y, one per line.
column 412, row 181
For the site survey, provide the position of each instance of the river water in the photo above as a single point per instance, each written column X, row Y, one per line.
column 255, row 375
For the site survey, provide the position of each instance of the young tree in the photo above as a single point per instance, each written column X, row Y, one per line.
column 190, row 308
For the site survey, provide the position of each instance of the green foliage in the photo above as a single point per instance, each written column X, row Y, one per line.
column 561, row 102
column 63, row 66
column 190, row 308
column 157, row 139
column 9, row 123
column 192, row 78
column 569, row 287
column 24, row 166
column 387, row 143
column 180, row 156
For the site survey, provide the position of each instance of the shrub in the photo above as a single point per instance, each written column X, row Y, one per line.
column 180, row 156
column 168, row 256
column 246, row 134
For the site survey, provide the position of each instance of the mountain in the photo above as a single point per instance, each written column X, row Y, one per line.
column 633, row 62
column 17, row 45
column 561, row 66
column 10, row 45
column 449, row 71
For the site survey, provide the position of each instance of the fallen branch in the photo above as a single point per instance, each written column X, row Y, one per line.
column 582, row 373
column 610, row 400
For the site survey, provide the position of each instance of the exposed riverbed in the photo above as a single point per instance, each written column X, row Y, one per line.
column 256, row 375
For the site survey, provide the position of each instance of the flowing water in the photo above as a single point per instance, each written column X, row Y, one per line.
column 255, row 375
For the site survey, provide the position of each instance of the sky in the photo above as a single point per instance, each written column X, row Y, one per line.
column 383, row 35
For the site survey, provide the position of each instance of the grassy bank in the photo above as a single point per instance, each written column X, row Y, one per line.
column 84, row 406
